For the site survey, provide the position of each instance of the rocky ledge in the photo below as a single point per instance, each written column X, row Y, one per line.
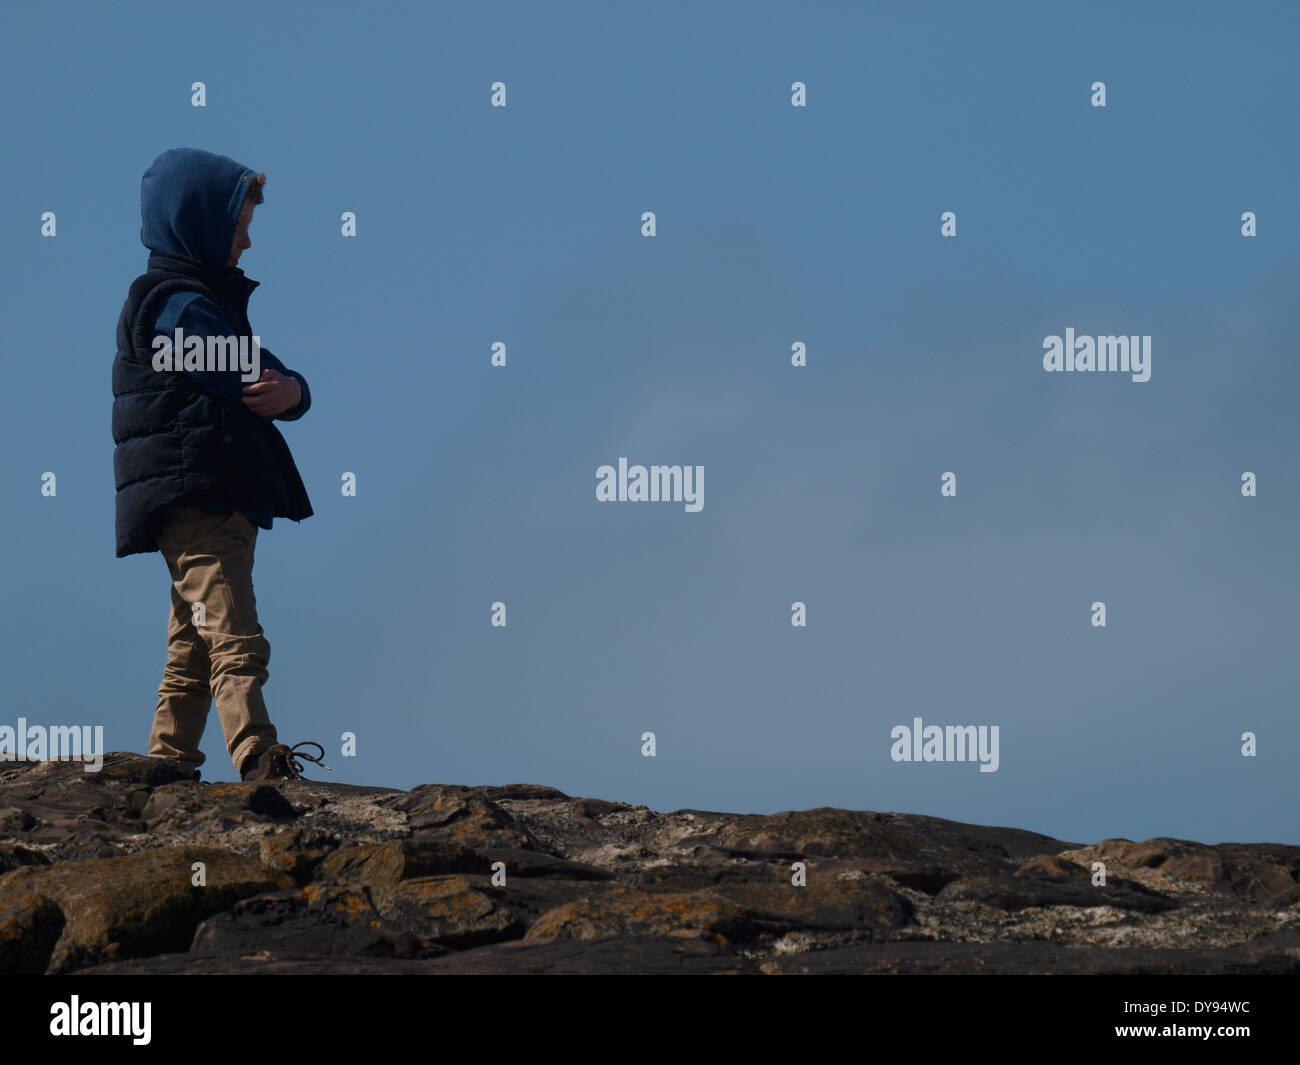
column 138, row 869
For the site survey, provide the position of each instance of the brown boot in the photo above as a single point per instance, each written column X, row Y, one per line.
column 280, row 762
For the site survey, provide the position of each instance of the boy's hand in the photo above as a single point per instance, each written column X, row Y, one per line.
column 273, row 393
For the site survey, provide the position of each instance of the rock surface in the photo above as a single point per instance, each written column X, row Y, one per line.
column 139, row 869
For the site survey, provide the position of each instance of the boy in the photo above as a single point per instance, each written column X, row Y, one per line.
column 198, row 463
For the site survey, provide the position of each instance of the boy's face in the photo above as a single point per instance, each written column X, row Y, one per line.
column 241, row 241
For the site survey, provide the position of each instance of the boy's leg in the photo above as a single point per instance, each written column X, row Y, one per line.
column 211, row 558
column 184, row 696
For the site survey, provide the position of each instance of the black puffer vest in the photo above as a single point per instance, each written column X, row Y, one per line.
column 176, row 443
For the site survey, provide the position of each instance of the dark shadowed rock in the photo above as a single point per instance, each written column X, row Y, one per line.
column 93, row 845
column 527, row 863
column 459, row 911
column 224, row 806
column 1254, row 871
column 648, row 955
column 1286, row 897
column 869, row 906
column 1053, row 866
column 735, row 912
column 627, row 911
column 338, row 922
column 265, row 962
column 30, row 926
column 138, row 904
column 1179, row 858
column 520, row 791
column 1023, row 892
column 14, row 819
column 460, row 815
column 381, row 867
column 594, row 809
column 682, row 875
column 78, row 814
column 634, row 955
column 531, row 897
column 298, row 851
column 908, row 842
column 1280, row 956
column 1256, row 877
column 15, row 856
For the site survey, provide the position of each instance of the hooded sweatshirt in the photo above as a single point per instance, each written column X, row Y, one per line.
column 185, row 436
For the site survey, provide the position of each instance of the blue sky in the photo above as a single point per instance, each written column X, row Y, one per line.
column 775, row 224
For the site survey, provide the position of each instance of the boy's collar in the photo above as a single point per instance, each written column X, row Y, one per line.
column 226, row 278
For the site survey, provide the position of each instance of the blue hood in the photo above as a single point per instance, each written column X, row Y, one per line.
column 190, row 202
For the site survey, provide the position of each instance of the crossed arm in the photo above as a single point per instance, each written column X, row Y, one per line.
column 278, row 393
column 272, row 394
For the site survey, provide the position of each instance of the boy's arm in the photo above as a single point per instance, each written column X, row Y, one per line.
column 196, row 315
column 269, row 360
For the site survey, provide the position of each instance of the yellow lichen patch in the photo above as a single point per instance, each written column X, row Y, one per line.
column 633, row 911
column 351, row 905
column 221, row 791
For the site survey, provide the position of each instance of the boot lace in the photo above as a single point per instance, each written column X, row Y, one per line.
column 294, row 754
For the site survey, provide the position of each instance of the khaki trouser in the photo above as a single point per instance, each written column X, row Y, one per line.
column 225, row 654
